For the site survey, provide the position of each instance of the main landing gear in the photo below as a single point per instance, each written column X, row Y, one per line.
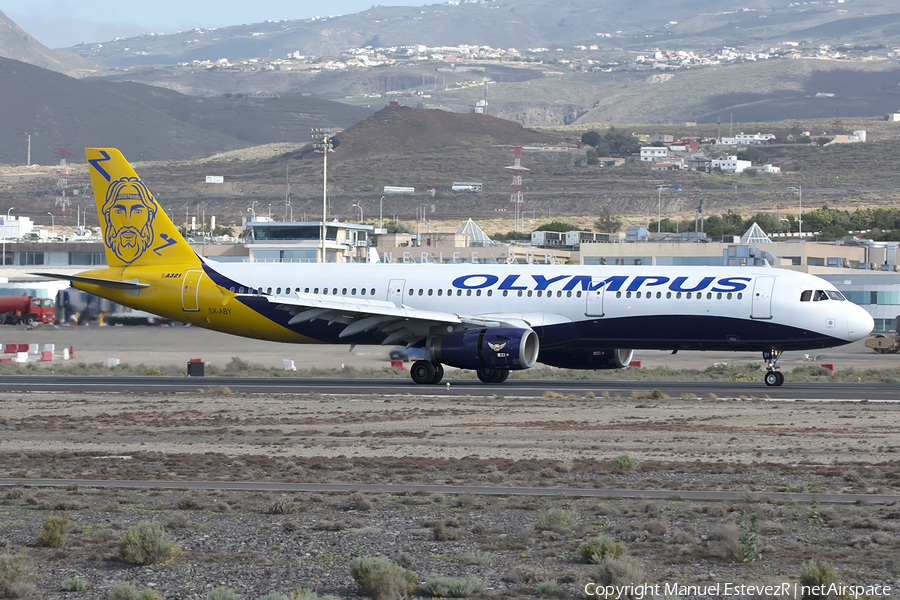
column 492, row 375
column 425, row 371
column 773, row 376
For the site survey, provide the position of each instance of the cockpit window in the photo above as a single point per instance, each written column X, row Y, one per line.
column 805, row 295
column 819, row 296
column 835, row 295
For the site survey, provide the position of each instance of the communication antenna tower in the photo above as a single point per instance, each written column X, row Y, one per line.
column 62, row 184
column 516, row 199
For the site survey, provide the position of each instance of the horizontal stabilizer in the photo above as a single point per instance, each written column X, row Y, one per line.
column 132, row 284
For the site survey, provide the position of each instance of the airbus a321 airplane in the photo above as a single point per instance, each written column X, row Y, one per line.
column 489, row 318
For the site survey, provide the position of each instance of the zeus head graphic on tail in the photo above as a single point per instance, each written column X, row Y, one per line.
column 129, row 211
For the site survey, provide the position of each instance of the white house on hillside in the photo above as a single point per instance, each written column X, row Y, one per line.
column 653, row 153
column 730, row 164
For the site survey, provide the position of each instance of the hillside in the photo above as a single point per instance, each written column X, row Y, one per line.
column 634, row 24
column 18, row 45
column 145, row 121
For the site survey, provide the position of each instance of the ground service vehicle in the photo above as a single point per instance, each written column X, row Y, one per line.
column 25, row 309
column 886, row 345
column 491, row 319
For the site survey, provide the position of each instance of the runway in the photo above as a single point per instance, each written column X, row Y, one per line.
column 451, row 489
column 822, row 392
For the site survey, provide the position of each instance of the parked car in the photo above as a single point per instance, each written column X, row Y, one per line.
column 407, row 354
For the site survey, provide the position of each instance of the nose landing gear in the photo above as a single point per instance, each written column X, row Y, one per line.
column 426, row 372
column 773, row 377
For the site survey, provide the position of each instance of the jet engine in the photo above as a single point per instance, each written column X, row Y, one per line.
column 496, row 348
column 587, row 359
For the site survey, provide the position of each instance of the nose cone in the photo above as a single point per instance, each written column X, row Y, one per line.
column 859, row 323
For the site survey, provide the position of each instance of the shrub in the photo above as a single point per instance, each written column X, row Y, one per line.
column 555, row 517
column 381, row 578
column 222, row 594
column 725, row 541
column 441, row 534
column 146, row 543
column 476, row 557
column 276, row 596
column 625, row 462
column 284, row 507
column 74, row 584
column 189, row 503
column 547, row 587
column 358, row 502
column 301, row 594
column 600, row 547
column 15, row 579
column 454, row 587
column 126, row 591
column 816, row 573
column 625, row 571
column 55, row 531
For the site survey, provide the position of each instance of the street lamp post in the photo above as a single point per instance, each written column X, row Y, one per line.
column 360, row 211
column 381, row 213
column 291, row 208
column 658, row 208
column 800, row 213
column 322, row 143
column 52, row 222
column 252, row 209
column 9, row 211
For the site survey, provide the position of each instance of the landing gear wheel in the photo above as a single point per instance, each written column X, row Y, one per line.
column 438, row 373
column 487, row 375
column 422, row 371
column 774, row 378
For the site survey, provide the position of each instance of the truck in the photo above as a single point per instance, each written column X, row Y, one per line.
column 466, row 186
column 26, row 309
column 886, row 345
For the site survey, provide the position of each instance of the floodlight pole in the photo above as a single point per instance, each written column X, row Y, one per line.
column 381, row 213
column 658, row 208
column 322, row 142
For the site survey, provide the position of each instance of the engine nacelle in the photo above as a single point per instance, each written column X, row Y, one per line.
column 587, row 359
column 495, row 348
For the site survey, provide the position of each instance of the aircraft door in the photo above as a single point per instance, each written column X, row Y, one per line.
column 190, row 291
column 395, row 291
column 762, row 298
column 594, row 302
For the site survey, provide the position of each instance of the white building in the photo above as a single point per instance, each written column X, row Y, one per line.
column 730, row 164
column 747, row 139
column 13, row 228
column 654, row 153
column 764, row 169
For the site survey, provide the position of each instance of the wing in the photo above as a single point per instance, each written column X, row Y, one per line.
column 401, row 323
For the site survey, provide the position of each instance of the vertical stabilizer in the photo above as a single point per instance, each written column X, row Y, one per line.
column 136, row 230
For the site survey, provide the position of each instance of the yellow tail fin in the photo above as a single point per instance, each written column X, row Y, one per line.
column 136, row 230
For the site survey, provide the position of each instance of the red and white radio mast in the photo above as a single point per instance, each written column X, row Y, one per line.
column 62, row 184
column 516, row 199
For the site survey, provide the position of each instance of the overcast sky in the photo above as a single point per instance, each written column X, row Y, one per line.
column 61, row 24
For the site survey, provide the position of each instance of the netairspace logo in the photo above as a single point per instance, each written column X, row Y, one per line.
column 623, row 592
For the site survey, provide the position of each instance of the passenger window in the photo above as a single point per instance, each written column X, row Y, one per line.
column 373, row 291
column 334, row 291
column 628, row 294
column 353, row 292
column 278, row 290
column 520, row 293
column 618, row 294
column 430, row 292
column 820, row 295
column 688, row 295
column 468, row 292
column 410, row 292
column 638, row 295
column 269, row 290
column 678, row 296
column 659, row 294
column 440, row 291
column 569, row 294
column 362, row 291
column 459, row 292
column 316, row 291
column 709, row 295
column 231, row 290
column 344, row 292
column 578, row 294
column 477, row 292
column 325, row 291
column 420, row 291
column 305, row 290
column 490, row 292
column 805, row 295
column 539, row 293
column 668, row 295
column 287, row 290
column 505, row 293
column 740, row 295
column 719, row 296
column 728, row 296
column 529, row 293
